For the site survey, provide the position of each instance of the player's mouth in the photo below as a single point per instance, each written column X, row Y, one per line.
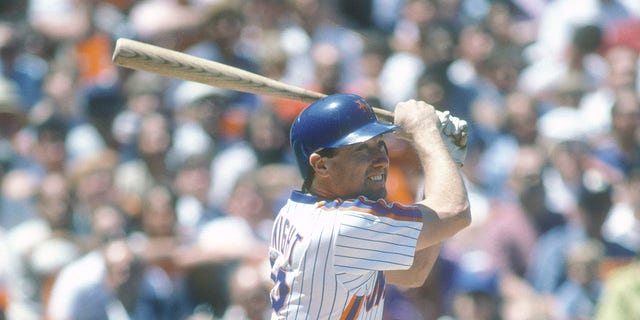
column 378, row 178
column 376, row 186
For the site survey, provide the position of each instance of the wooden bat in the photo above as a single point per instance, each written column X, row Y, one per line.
column 142, row 56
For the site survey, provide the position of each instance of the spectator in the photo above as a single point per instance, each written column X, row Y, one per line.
column 192, row 184
column 249, row 294
column 108, row 223
column 476, row 296
column 219, row 36
column 500, row 241
column 249, row 205
column 519, row 130
column 563, row 120
column 568, row 160
column 159, row 239
column 373, row 57
column 578, row 295
column 526, row 182
column 274, row 182
column 92, row 184
column 200, row 116
column 475, row 45
column 558, row 26
column 227, row 241
column 12, row 120
column 265, row 142
column 619, row 295
column 511, row 228
column 623, row 223
column 7, row 269
column 61, row 96
column 620, row 149
column 132, row 178
column 159, row 234
column 92, row 133
column 326, row 62
column 622, row 65
column 406, row 57
column 43, row 246
column 20, row 64
column 143, row 94
column 49, row 153
column 314, row 23
column 60, row 22
column 167, row 23
column 435, row 86
column 548, row 269
column 128, row 289
column 16, row 176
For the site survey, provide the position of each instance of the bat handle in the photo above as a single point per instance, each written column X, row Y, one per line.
column 383, row 115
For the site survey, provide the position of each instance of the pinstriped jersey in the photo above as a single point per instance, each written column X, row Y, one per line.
column 328, row 257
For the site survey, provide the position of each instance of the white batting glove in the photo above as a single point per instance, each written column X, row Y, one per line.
column 454, row 133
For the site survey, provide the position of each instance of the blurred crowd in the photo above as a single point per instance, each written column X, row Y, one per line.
column 128, row 195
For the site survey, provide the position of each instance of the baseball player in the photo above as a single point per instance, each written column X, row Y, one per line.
column 336, row 243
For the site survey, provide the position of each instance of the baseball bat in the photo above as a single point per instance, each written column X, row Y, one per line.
column 143, row 56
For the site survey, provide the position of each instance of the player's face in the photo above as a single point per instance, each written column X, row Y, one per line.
column 360, row 169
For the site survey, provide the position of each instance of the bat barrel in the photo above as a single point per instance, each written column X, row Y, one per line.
column 141, row 56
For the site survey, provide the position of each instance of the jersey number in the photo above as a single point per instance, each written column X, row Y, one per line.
column 280, row 291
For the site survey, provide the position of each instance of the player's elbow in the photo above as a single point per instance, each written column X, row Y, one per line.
column 418, row 280
column 408, row 279
column 459, row 218
column 464, row 216
column 416, row 283
column 453, row 215
column 417, row 274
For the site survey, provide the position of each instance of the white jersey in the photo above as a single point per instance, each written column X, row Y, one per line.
column 328, row 258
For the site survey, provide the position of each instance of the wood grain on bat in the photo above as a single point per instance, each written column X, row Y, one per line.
column 138, row 55
column 142, row 56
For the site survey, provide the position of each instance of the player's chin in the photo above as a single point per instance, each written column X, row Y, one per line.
column 375, row 193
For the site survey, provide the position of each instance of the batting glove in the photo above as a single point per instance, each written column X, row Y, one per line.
column 454, row 133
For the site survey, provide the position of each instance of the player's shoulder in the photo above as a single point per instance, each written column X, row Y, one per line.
column 361, row 205
column 379, row 207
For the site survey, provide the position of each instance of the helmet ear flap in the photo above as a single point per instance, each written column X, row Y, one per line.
column 302, row 158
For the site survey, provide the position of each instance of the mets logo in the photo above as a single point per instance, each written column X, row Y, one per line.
column 363, row 106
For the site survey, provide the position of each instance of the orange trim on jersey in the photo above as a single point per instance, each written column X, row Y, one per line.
column 375, row 213
column 388, row 215
column 353, row 309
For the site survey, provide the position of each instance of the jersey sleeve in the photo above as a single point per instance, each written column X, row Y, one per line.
column 376, row 236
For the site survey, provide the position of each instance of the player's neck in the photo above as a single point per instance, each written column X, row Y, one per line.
column 320, row 191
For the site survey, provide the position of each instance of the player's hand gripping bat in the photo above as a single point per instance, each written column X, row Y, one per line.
column 142, row 56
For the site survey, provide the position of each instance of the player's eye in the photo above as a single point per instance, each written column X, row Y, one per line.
column 383, row 147
column 362, row 147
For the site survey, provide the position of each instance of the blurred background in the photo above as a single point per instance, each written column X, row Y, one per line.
column 126, row 195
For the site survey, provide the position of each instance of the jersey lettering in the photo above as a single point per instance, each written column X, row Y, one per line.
column 378, row 292
column 352, row 311
column 280, row 291
column 287, row 237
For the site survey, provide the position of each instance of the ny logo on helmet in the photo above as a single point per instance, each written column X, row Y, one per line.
column 362, row 105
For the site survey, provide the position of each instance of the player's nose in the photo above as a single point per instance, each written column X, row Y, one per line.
column 380, row 158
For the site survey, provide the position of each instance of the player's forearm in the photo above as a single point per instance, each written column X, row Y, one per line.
column 415, row 276
column 444, row 189
column 445, row 193
column 445, row 204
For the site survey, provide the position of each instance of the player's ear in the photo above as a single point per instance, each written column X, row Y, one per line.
column 318, row 163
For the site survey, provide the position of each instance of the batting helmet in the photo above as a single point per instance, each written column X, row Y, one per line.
column 334, row 121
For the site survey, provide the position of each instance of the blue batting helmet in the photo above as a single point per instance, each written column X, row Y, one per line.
column 334, row 121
